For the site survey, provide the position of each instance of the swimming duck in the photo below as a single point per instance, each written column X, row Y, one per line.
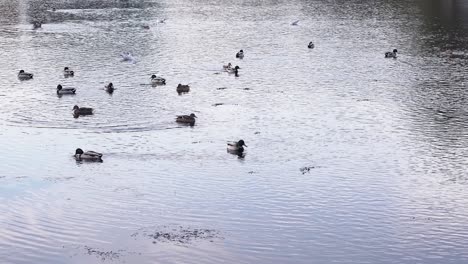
column 311, row 45
column 186, row 119
column 88, row 155
column 238, row 146
column 126, row 56
column 77, row 111
column 228, row 66
column 156, row 80
column 22, row 75
column 183, row 88
column 295, row 23
column 391, row 54
column 67, row 72
column 240, row 54
column 234, row 70
column 37, row 25
column 109, row 88
column 61, row 90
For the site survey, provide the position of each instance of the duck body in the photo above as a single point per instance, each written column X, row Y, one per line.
column 234, row 70
column 186, row 119
column 78, row 111
column 87, row 156
column 68, row 73
column 311, row 45
column 183, row 88
column 227, row 67
column 61, row 90
column 22, row 75
column 391, row 54
column 240, row 54
column 156, row 80
column 109, row 88
column 236, row 147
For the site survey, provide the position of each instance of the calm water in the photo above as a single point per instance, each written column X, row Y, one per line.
column 386, row 140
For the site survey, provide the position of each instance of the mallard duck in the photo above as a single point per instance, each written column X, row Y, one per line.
column 234, row 70
column 238, row 146
column 228, row 66
column 77, row 111
column 183, row 88
column 240, row 54
column 156, row 80
column 88, row 155
column 109, row 88
column 24, row 75
column 295, row 23
column 61, row 90
column 311, row 45
column 186, row 119
column 67, row 72
column 391, row 54
column 37, row 24
column 126, row 56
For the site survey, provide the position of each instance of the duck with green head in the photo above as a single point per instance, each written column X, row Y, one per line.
column 80, row 155
column 186, row 119
column 236, row 147
column 61, row 90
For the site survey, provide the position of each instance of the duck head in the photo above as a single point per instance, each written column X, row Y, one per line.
column 153, row 76
column 241, row 143
column 111, row 85
column 65, row 69
column 193, row 115
column 236, row 68
column 59, row 87
column 76, row 108
column 21, row 71
column 241, row 51
column 79, row 151
column 395, row 51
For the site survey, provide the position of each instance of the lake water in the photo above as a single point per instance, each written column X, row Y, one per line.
column 382, row 143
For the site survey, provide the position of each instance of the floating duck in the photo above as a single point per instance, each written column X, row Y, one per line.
column 228, row 66
column 88, row 155
column 67, row 72
column 236, row 147
column 311, row 45
column 37, row 25
column 155, row 80
column 240, row 54
column 391, row 54
column 78, row 111
column 109, row 88
column 61, row 90
column 181, row 88
column 126, row 56
column 186, row 119
column 234, row 70
column 22, row 75
column 295, row 23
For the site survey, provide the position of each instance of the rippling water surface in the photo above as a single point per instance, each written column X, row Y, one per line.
column 382, row 143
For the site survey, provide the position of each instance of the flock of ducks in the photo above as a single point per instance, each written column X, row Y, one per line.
column 80, row 155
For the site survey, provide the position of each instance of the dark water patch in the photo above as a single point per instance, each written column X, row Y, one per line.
column 178, row 234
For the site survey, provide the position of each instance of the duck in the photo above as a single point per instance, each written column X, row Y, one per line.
column 24, row 75
column 295, row 23
column 156, row 80
column 109, row 88
column 126, row 56
column 186, row 119
column 234, row 70
column 311, row 45
column 61, row 90
column 67, row 72
column 183, row 88
column 228, row 66
column 77, row 111
column 37, row 25
column 237, row 147
column 240, row 54
column 391, row 54
column 87, row 156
